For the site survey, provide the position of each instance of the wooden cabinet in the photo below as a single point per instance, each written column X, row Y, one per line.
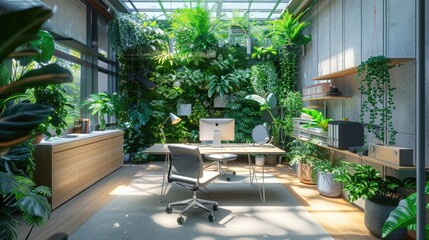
column 70, row 165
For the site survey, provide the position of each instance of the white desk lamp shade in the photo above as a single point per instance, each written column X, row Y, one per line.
column 174, row 119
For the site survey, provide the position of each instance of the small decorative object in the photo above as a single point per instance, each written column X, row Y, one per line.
column 333, row 91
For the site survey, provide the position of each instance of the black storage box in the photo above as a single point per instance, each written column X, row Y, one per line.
column 345, row 134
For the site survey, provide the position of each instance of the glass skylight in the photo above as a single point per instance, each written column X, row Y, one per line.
column 259, row 9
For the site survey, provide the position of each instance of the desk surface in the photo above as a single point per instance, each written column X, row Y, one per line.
column 235, row 148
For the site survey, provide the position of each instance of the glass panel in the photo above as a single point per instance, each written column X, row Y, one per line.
column 102, row 82
column 102, row 37
column 72, row 90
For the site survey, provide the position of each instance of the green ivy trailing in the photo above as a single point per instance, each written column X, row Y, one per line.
column 374, row 82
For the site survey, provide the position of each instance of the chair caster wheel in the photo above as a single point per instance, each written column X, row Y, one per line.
column 234, row 173
column 215, row 206
column 180, row 220
column 168, row 210
column 211, row 217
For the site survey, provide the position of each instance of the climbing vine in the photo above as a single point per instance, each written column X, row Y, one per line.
column 374, row 82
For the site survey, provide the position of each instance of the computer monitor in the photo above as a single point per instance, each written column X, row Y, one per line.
column 217, row 129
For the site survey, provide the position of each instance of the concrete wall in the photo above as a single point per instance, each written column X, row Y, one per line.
column 345, row 33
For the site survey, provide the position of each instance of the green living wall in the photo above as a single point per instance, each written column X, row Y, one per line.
column 202, row 68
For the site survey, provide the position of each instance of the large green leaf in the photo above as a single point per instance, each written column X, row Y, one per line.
column 4, row 74
column 257, row 98
column 272, row 100
column 20, row 119
column 402, row 216
column 20, row 27
column 45, row 43
column 7, row 183
column 35, row 205
column 49, row 74
column 8, row 225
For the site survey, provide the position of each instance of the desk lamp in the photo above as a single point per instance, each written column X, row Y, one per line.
column 174, row 119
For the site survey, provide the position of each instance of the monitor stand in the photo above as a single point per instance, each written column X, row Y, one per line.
column 216, row 139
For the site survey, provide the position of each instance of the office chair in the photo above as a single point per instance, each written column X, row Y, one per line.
column 221, row 159
column 186, row 169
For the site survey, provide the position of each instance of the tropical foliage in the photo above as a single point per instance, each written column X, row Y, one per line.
column 19, row 195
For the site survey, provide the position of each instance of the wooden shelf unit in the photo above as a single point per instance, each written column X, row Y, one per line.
column 353, row 70
column 326, row 98
column 365, row 158
column 70, row 165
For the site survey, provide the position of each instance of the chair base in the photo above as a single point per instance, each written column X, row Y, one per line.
column 223, row 172
column 193, row 202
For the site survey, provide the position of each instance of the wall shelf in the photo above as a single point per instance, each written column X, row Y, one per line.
column 353, row 70
column 325, row 98
column 365, row 158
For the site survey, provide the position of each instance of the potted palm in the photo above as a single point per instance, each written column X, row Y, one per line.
column 381, row 196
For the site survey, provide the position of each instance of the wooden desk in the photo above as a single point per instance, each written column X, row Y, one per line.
column 234, row 148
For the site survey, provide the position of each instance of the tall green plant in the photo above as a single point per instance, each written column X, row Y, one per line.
column 18, row 193
column 375, row 84
column 286, row 33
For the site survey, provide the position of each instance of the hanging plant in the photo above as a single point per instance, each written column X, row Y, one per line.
column 374, row 82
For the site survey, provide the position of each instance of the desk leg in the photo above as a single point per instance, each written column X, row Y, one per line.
column 164, row 182
column 252, row 172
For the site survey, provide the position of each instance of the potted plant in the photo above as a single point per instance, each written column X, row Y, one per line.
column 103, row 104
column 194, row 32
column 19, row 195
column 326, row 171
column 307, row 154
column 381, row 196
column 53, row 95
column 404, row 215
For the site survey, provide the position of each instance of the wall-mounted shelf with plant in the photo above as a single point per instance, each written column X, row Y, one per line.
column 378, row 102
column 353, row 70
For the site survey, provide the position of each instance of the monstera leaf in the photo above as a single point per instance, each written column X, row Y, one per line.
column 20, row 119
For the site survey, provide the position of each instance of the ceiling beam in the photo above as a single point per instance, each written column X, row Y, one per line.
column 162, row 7
column 223, row 10
column 209, row 1
column 274, row 8
column 132, row 4
column 219, row 8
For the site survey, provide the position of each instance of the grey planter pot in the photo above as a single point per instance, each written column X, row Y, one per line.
column 375, row 216
column 327, row 186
